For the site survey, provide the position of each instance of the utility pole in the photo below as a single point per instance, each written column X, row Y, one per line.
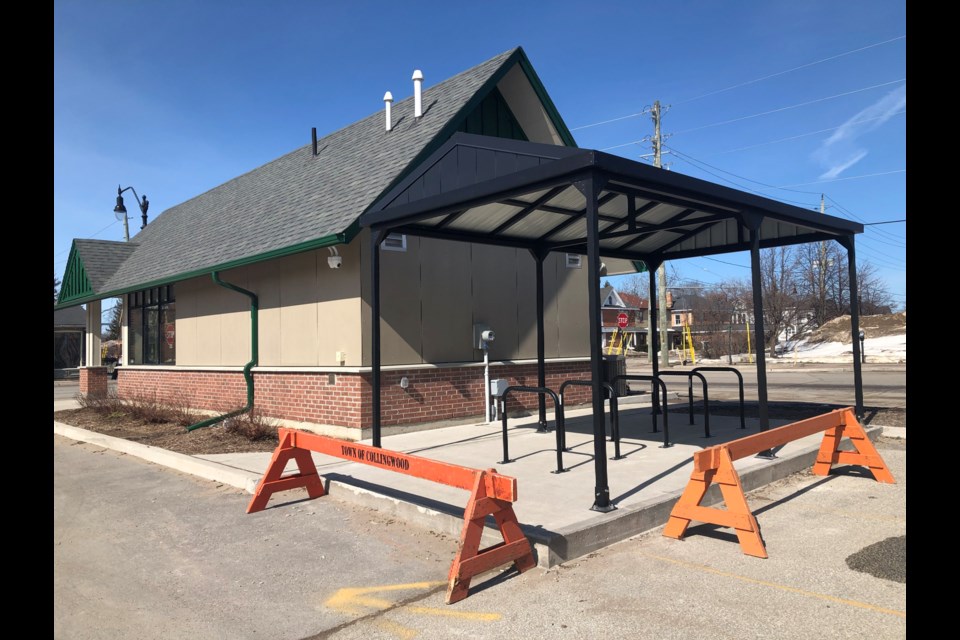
column 657, row 141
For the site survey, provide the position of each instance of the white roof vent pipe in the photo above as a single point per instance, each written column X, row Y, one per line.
column 388, row 101
column 417, row 94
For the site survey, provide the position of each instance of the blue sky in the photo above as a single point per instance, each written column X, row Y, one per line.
column 177, row 97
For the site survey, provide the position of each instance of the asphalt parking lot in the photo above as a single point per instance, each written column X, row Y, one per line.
column 143, row 551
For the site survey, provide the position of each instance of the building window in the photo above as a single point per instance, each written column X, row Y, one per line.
column 676, row 320
column 573, row 261
column 152, row 326
column 395, row 242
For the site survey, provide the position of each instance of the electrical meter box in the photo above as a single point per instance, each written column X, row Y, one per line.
column 498, row 386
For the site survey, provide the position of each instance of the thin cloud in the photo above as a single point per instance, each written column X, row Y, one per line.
column 840, row 151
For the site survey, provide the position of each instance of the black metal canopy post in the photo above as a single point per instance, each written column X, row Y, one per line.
column 376, row 237
column 538, row 257
column 590, row 187
column 757, row 278
column 654, row 337
column 850, row 244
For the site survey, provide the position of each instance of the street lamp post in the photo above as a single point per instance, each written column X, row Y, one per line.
column 121, row 211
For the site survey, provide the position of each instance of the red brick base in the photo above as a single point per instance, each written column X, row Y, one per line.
column 93, row 381
column 433, row 394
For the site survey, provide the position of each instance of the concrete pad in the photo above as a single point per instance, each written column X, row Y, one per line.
column 554, row 509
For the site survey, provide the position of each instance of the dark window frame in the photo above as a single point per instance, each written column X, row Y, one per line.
column 161, row 299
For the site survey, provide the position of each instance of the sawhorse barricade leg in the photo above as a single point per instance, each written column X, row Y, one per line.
column 491, row 494
column 271, row 482
column 737, row 515
column 470, row 559
column 865, row 453
column 716, row 465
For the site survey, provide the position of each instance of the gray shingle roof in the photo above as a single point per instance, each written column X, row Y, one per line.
column 72, row 317
column 102, row 258
column 296, row 198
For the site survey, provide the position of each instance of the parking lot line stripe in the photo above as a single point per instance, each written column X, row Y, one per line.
column 774, row 585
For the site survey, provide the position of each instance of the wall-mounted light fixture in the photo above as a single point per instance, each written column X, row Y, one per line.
column 334, row 260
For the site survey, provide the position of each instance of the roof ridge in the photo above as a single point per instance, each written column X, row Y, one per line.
column 355, row 124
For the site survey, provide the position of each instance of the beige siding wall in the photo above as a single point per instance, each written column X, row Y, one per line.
column 431, row 296
column 308, row 312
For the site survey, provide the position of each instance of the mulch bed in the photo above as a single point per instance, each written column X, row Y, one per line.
column 217, row 439
column 166, row 435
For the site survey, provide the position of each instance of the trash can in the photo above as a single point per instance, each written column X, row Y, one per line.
column 615, row 365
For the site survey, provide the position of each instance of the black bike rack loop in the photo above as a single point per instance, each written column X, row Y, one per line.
column 558, row 409
column 614, row 411
column 653, row 413
column 706, row 398
column 743, row 421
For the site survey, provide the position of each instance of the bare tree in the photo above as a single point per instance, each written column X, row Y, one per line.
column 56, row 288
column 115, row 327
column 778, row 273
column 874, row 296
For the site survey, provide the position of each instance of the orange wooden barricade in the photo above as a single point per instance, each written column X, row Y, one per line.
column 716, row 465
column 491, row 494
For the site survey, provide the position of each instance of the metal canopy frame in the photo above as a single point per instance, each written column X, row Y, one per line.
column 547, row 198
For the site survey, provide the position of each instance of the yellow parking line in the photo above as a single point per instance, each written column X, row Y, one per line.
column 774, row 585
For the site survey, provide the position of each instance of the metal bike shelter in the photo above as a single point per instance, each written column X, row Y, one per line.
column 546, row 198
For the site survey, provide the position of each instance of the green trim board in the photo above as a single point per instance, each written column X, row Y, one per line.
column 76, row 285
column 326, row 241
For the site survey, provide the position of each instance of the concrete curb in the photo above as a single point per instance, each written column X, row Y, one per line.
column 580, row 539
column 899, row 433
column 450, row 523
column 551, row 547
column 206, row 469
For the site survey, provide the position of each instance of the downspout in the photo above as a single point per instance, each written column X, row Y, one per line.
column 254, row 353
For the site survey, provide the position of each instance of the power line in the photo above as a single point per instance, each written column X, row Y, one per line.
column 748, row 82
column 787, row 108
column 693, row 161
column 780, row 73
column 796, row 137
column 764, row 184
column 865, row 175
column 868, row 224
column 687, row 158
column 597, row 124
column 732, row 264
column 90, row 236
column 856, row 217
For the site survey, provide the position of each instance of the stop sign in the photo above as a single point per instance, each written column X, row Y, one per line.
column 622, row 320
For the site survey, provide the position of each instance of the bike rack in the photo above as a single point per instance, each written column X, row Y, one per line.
column 653, row 412
column 706, row 399
column 614, row 412
column 743, row 422
column 558, row 409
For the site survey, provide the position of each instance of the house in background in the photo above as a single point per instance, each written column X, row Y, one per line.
column 288, row 234
column 616, row 305
column 69, row 327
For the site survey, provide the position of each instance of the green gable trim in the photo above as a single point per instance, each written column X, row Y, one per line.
column 75, row 283
column 493, row 117
column 319, row 243
column 639, row 265
column 455, row 123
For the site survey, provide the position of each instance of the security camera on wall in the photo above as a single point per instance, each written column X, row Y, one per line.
column 335, row 262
